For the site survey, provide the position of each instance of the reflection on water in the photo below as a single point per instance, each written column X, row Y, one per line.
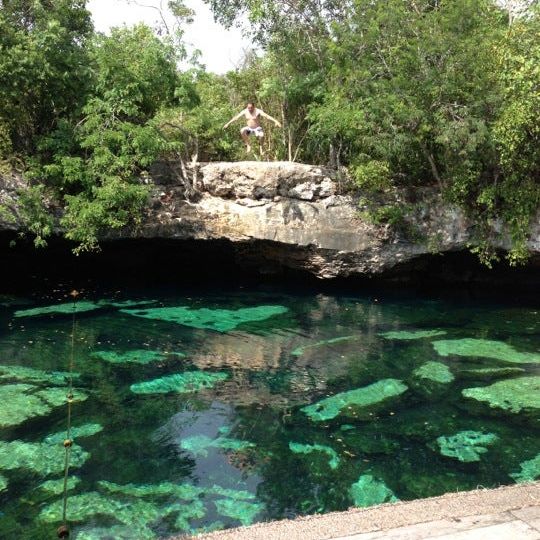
column 205, row 412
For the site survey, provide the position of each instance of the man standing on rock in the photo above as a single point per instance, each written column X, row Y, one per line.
column 252, row 116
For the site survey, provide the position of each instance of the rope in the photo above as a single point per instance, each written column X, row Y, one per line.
column 63, row 531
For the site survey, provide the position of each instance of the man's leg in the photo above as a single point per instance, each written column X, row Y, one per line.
column 244, row 133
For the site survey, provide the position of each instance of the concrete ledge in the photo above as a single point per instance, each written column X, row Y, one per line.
column 510, row 512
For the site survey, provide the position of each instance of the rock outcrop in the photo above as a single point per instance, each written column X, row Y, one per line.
column 282, row 214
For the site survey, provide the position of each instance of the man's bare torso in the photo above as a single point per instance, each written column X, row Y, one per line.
column 252, row 118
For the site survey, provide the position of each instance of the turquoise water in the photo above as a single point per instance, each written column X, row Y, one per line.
column 197, row 412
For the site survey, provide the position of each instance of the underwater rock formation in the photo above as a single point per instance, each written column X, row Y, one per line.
column 139, row 356
column 198, row 445
column 466, row 446
column 369, row 491
column 355, row 402
column 221, row 320
column 512, row 395
column 298, row 448
column 20, row 402
column 530, row 470
column 189, row 381
column 413, row 334
column 484, row 348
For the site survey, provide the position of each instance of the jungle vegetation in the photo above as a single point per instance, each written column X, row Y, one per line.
column 440, row 93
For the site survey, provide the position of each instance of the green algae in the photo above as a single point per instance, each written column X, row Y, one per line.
column 512, row 395
column 3, row 483
column 56, row 487
column 181, row 491
column 66, row 308
column 434, row 371
column 116, row 532
column 368, row 491
column 299, row 351
column 413, row 334
column 18, row 404
column 26, row 374
column 466, row 446
column 348, row 403
column 189, row 381
column 245, row 512
column 56, row 397
column 186, row 492
column 42, row 458
column 139, row 356
column 198, row 445
column 530, row 470
column 137, row 515
column 86, row 430
column 80, row 306
column 298, row 448
column 193, row 510
column 484, row 348
column 221, row 320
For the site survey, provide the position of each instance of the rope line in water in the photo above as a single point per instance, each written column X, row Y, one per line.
column 63, row 530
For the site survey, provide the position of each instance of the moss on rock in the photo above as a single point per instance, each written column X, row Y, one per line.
column 412, row 334
column 368, row 491
column 352, row 402
column 189, row 381
column 139, row 356
column 299, row 351
column 298, row 448
column 41, row 458
column 530, row 470
column 198, row 445
column 434, row 371
column 466, row 446
column 512, row 395
column 484, row 348
column 221, row 320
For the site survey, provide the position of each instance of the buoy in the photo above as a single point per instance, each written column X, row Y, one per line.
column 62, row 531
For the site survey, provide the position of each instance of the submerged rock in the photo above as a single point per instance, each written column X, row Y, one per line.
column 189, row 381
column 86, row 430
column 512, row 395
column 41, row 458
column 530, row 470
column 466, row 446
column 26, row 374
column 435, row 372
column 67, row 308
column 299, row 351
column 368, row 491
column 243, row 511
column 221, row 320
column 56, row 487
column 484, row 348
column 198, row 445
column 20, row 402
column 298, row 448
column 351, row 403
column 412, row 334
column 139, row 356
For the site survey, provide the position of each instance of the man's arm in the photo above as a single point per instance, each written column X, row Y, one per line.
column 233, row 119
column 269, row 118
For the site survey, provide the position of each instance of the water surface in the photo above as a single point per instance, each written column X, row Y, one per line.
column 197, row 407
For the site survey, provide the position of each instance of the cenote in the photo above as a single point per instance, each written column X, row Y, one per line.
column 195, row 412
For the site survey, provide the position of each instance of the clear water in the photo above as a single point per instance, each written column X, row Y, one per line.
column 254, row 462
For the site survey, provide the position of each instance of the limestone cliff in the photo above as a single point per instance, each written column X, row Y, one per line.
column 281, row 214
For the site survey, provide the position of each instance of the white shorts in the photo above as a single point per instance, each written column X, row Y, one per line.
column 258, row 131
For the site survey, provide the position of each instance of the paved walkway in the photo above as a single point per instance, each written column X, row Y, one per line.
column 507, row 513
